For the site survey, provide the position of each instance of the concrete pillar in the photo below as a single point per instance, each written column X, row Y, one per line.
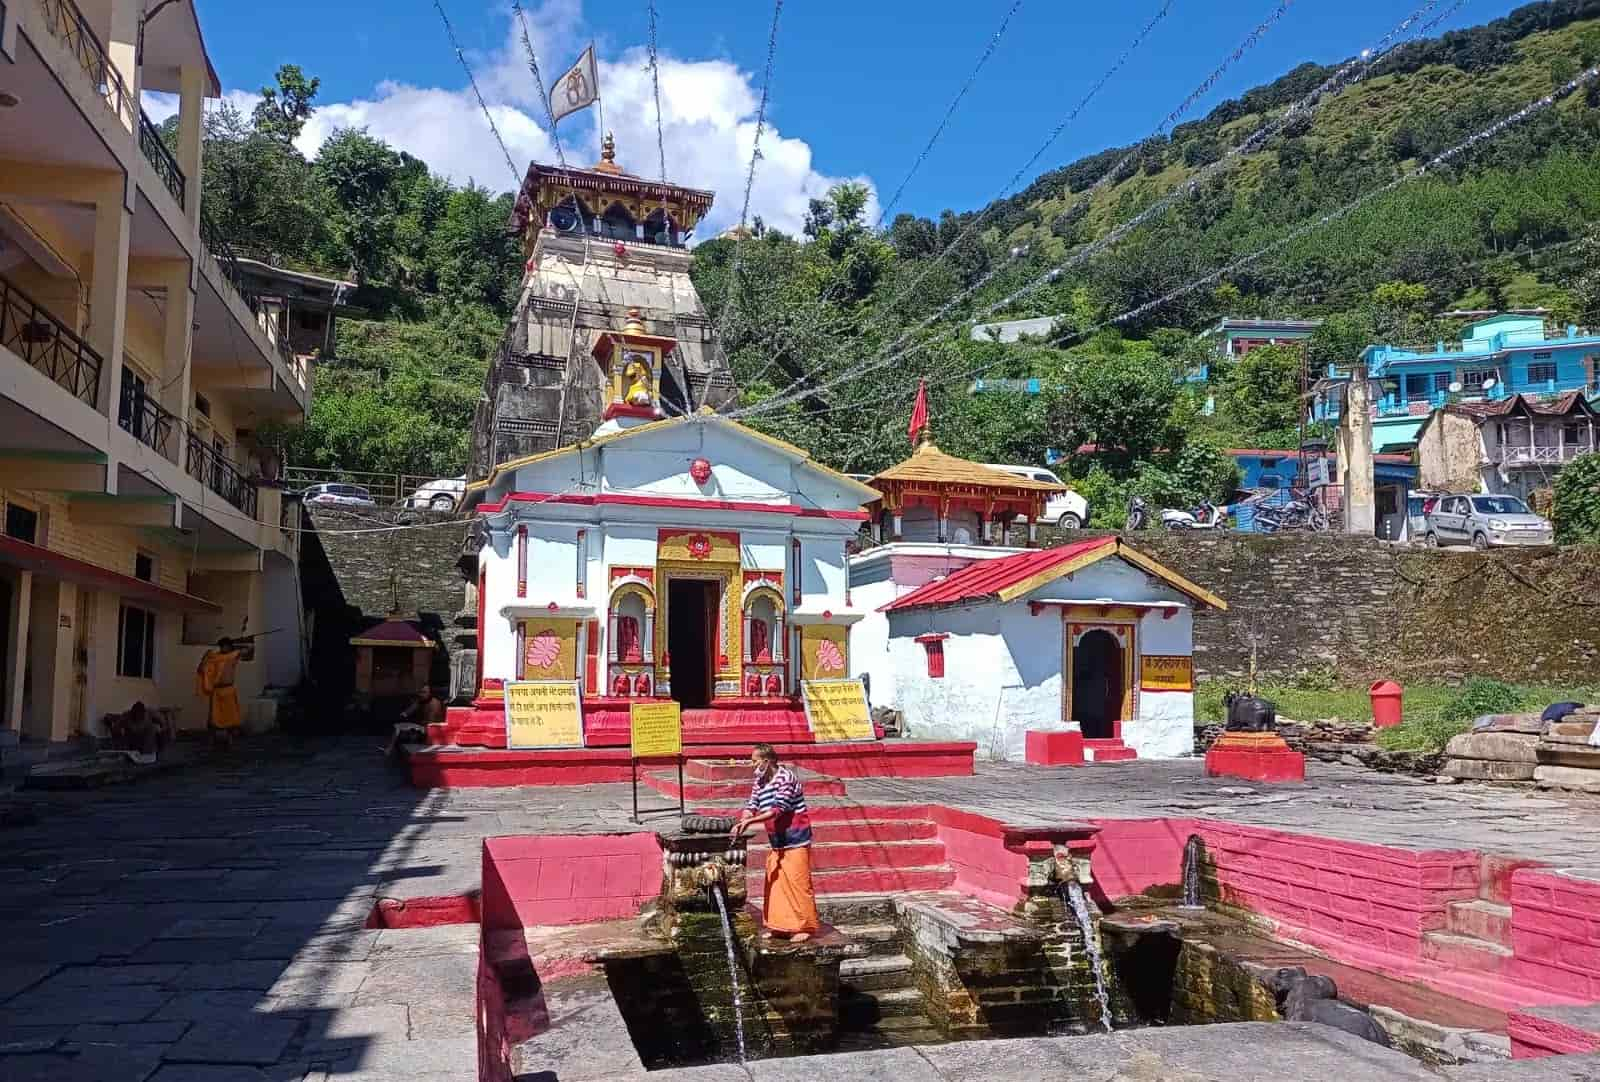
column 177, row 329
column 1355, row 458
column 17, row 636
column 108, row 286
column 191, row 125
column 122, row 46
column 51, row 679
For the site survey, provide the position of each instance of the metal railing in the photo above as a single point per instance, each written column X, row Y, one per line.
column 143, row 418
column 212, row 240
column 205, row 465
column 161, row 159
column 386, row 489
column 69, row 26
column 49, row 345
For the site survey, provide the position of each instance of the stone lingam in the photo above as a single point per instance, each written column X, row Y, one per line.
column 720, row 992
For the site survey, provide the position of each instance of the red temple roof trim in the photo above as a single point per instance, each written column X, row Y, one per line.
column 1010, row 577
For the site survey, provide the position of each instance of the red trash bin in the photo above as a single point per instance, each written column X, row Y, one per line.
column 1385, row 703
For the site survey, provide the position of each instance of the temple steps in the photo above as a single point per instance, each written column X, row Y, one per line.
column 876, row 972
column 695, row 788
column 1108, row 750
column 1464, row 952
column 1479, row 919
column 833, row 856
column 866, row 880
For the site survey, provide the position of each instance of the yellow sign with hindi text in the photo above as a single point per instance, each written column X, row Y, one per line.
column 655, row 729
column 543, row 714
column 1167, row 673
column 837, row 710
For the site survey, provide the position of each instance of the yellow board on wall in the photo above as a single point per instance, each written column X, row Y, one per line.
column 1163, row 672
column 655, row 729
column 824, row 652
column 836, row 710
column 549, row 649
column 543, row 714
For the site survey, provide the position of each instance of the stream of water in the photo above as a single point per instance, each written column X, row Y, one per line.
column 1091, row 944
column 733, row 970
column 1191, row 873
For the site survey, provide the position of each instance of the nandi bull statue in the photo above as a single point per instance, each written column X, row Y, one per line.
column 1250, row 713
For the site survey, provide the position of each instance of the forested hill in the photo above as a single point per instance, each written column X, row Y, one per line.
column 829, row 331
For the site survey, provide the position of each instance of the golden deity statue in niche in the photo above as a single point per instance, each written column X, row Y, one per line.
column 636, row 373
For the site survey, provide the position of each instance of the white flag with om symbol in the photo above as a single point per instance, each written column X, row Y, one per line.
column 578, row 88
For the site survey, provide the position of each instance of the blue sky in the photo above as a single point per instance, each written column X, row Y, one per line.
column 857, row 89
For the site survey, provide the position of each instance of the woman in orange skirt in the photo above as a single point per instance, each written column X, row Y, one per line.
column 789, row 905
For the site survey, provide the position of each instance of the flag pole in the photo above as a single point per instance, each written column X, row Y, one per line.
column 601, row 134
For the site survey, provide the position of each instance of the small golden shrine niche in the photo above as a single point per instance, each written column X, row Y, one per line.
column 631, row 360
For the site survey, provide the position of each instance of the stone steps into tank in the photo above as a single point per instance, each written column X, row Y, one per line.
column 829, row 855
column 1479, row 919
column 1464, row 952
column 882, row 940
column 865, row 880
column 882, row 972
column 885, row 1009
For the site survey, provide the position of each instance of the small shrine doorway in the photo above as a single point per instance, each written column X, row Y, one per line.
column 1098, row 682
column 691, row 639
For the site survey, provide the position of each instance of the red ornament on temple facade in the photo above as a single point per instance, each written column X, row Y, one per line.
column 700, row 470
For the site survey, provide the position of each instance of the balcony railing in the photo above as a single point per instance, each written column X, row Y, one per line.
column 69, row 27
column 143, row 418
column 160, row 158
column 205, row 465
column 46, row 343
column 1541, row 454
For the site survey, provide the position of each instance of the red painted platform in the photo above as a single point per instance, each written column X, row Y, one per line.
column 1254, row 757
column 1108, row 750
column 606, row 724
column 1054, row 749
column 452, row 767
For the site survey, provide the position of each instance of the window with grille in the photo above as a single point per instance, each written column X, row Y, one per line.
column 1542, row 373
column 933, row 647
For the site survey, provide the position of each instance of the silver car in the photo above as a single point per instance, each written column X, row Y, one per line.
column 1485, row 521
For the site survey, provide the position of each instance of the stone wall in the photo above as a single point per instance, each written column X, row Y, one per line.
column 354, row 580
column 1369, row 610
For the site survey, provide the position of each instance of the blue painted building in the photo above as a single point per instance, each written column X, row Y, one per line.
column 1278, row 472
column 1496, row 358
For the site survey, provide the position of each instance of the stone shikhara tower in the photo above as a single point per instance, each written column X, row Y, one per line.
column 605, row 255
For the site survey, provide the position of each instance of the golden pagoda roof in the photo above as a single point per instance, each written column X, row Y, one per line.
column 929, row 465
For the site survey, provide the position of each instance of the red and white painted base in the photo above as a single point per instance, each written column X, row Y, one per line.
column 1107, row 749
column 1254, row 757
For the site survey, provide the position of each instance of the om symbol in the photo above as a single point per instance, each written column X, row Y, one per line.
column 577, row 88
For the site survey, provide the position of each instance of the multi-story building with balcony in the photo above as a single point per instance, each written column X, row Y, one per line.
column 1496, row 359
column 1513, row 446
column 136, row 362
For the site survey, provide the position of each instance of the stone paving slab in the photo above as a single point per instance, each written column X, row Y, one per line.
column 249, row 1040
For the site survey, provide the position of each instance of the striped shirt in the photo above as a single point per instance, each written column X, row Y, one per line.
column 791, row 829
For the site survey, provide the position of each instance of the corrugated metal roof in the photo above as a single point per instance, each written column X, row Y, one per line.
column 986, row 578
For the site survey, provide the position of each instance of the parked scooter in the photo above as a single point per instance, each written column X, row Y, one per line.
column 1208, row 516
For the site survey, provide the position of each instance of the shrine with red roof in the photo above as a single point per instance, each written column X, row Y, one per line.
column 1088, row 645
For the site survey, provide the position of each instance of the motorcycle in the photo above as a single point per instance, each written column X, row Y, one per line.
column 1138, row 514
column 1208, row 516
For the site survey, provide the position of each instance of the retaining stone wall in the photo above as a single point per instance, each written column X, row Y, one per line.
column 1370, row 610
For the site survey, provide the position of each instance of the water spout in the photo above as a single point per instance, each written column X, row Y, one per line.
column 733, row 969
column 1191, row 872
column 1079, row 904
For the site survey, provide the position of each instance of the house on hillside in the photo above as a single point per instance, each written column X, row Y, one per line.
column 1498, row 357
column 1233, row 338
column 1512, row 446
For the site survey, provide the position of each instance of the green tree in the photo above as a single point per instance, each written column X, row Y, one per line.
column 360, row 171
column 1261, row 396
column 1121, row 403
column 1577, row 501
column 282, row 112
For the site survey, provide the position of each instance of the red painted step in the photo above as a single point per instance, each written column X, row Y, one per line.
column 666, row 781
column 1464, row 952
column 834, row 813
column 717, row 770
column 834, row 856
column 1479, row 919
column 865, row 880
column 1108, row 750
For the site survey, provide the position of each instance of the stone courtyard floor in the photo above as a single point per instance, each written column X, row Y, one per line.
column 209, row 925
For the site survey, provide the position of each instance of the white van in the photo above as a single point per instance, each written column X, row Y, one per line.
column 1067, row 510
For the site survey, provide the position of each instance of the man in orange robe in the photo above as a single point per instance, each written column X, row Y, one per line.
column 789, row 903
column 214, row 681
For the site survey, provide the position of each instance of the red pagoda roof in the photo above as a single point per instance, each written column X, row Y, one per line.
column 393, row 633
column 1010, row 577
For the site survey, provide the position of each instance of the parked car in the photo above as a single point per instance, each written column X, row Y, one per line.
column 1067, row 510
column 1484, row 521
column 441, row 495
column 338, row 493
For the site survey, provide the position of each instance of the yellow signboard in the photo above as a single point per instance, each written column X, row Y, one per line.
column 543, row 714
column 656, row 729
column 837, row 710
column 1167, row 673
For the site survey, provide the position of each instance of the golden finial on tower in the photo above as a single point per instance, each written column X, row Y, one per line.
column 608, row 156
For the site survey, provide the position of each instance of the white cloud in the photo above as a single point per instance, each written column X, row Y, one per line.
column 708, row 123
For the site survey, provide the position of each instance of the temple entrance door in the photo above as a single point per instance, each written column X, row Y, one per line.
column 692, row 639
column 1097, row 681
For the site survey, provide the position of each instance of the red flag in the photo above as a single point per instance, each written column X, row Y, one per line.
column 919, row 412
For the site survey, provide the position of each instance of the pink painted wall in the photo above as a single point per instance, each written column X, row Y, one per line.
column 1555, row 932
column 568, row 878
